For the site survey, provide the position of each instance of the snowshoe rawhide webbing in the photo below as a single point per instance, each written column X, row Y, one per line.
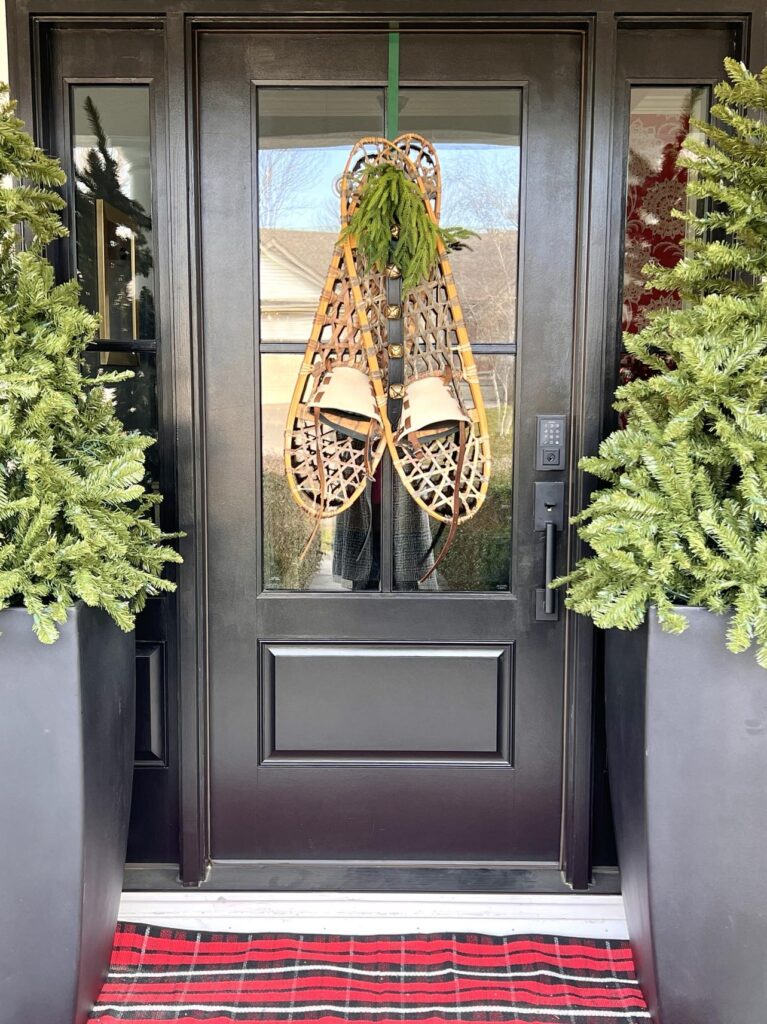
column 421, row 398
column 334, row 438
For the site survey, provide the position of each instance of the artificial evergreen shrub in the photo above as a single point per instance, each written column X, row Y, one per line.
column 75, row 518
column 683, row 518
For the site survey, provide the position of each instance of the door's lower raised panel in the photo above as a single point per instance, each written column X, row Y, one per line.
column 386, row 702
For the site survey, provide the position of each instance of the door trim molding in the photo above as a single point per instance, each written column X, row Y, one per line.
column 27, row 24
column 593, row 296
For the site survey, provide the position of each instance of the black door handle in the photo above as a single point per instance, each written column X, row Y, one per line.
column 548, row 518
column 551, row 562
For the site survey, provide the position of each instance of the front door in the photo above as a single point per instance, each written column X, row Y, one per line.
column 359, row 718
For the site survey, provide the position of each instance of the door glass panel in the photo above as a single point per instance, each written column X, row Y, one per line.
column 113, row 207
column 658, row 124
column 477, row 133
column 286, row 527
column 479, row 558
column 304, row 138
column 304, row 135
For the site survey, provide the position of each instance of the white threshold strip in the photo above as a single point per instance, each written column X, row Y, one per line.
column 577, row 916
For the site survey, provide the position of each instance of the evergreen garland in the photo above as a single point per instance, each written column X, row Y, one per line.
column 75, row 519
column 387, row 197
column 683, row 520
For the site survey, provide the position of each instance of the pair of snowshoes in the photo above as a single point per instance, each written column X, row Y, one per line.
column 390, row 370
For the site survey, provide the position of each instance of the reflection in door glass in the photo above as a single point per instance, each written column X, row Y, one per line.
column 477, row 135
column 113, row 204
column 480, row 556
column 304, row 138
column 658, row 124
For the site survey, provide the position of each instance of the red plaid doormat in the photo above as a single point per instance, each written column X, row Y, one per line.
column 160, row 975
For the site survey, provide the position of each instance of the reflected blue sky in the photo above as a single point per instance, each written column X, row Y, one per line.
column 480, row 186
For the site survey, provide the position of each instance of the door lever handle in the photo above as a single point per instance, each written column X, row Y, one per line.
column 549, row 601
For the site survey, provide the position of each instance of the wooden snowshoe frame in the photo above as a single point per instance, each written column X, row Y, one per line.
column 328, row 470
column 350, row 327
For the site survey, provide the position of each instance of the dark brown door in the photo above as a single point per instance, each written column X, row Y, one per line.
column 356, row 716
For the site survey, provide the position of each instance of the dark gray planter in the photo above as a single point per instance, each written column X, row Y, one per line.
column 66, row 755
column 687, row 754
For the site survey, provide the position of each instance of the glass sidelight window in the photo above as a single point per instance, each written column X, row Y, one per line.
column 135, row 399
column 113, row 204
column 304, row 137
column 659, row 121
column 114, row 244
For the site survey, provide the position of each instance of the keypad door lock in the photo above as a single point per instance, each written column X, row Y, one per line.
column 550, row 439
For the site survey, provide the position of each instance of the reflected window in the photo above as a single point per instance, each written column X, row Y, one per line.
column 113, row 203
column 659, row 122
column 477, row 132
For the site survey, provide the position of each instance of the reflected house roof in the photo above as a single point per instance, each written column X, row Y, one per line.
column 294, row 265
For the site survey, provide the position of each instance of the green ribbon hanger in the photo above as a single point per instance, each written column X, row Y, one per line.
column 392, row 91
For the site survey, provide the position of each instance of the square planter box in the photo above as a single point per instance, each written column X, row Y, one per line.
column 687, row 755
column 67, row 715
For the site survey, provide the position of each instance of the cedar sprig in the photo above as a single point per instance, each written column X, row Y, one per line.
column 386, row 197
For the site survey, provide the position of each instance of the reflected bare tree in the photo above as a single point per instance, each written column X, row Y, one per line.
column 502, row 382
column 482, row 194
column 283, row 174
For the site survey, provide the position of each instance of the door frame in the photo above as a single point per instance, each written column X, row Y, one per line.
column 595, row 355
